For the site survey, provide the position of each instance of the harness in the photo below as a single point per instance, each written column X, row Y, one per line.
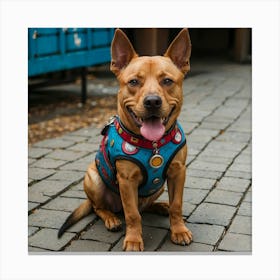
column 152, row 157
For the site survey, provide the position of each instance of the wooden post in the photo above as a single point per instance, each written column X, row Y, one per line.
column 84, row 85
column 242, row 44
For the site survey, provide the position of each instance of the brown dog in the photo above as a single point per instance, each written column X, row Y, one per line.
column 143, row 146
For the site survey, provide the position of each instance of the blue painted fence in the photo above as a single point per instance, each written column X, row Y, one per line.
column 55, row 49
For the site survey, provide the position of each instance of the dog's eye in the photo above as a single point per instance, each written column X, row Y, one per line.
column 167, row 82
column 133, row 82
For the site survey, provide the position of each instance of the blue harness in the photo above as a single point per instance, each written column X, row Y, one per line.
column 153, row 158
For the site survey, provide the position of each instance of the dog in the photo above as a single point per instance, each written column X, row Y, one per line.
column 143, row 146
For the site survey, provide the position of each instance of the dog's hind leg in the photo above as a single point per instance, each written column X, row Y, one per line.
column 160, row 208
column 104, row 201
column 111, row 221
column 155, row 207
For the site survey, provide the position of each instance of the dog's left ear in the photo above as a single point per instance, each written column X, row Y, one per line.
column 122, row 52
column 179, row 51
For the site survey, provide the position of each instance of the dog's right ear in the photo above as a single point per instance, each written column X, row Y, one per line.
column 122, row 52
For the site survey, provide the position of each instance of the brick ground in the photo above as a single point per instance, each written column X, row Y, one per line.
column 216, row 117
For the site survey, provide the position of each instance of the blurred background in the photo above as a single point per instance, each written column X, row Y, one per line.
column 70, row 85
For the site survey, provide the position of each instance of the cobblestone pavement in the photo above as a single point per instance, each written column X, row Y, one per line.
column 216, row 117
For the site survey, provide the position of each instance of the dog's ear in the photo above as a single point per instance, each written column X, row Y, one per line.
column 122, row 52
column 179, row 51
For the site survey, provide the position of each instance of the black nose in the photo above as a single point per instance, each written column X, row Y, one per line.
column 152, row 102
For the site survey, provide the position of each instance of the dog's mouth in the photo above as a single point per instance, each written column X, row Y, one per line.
column 152, row 127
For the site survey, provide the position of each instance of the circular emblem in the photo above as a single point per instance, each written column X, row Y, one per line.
column 129, row 149
column 178, row 137
column 156, row 181
column 156, row 161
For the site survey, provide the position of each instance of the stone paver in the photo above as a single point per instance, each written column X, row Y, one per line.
column 215, row 214
column 39, row 173
column 194, row 196
column 48, row 218
column 64, row 175
column 241, row 224
column 217, row 201
column 63, row 204
column 58, row 143
column 47, row 239
column 207, row 234
column 66, row 155
column 202, row 165
column 235, row 242
column 84, row 147
column 32, row 205
column 245, row 209
column 38, row 152
column 233, row 184
column 48, row 163
column 74, row 194
column 224, row 197
column 45, row 190
column 199, row 183
column 209, row 174
column 87, row 246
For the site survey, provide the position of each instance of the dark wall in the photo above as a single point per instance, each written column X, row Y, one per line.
column 205, row 41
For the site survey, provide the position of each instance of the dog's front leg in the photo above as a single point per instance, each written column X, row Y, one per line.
column 129, row 178
column 180, row 234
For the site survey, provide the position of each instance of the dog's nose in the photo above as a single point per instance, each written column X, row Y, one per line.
column 152, row 102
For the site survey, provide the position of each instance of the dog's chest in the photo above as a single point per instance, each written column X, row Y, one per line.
column 153, row 158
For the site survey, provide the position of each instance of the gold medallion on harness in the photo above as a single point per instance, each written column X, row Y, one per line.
column 156, row 161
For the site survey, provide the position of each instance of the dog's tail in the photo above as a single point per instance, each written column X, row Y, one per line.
column 83, row 210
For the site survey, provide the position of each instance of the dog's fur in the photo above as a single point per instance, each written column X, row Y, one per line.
column 138, row 78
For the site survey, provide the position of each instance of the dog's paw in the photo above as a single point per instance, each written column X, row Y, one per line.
column 133, row 244
column 181, row 236
column 113, row 224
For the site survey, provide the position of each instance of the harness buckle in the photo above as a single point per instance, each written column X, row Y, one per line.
column 106, row 126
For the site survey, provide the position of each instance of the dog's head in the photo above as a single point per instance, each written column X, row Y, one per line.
column 150, row 95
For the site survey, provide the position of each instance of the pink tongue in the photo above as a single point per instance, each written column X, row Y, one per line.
column 152, row 130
